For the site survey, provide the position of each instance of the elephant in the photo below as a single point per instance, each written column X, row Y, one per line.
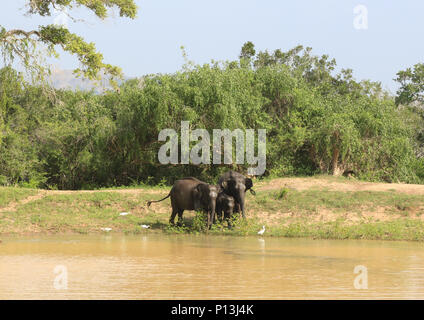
column 235, row 184
column 225, row 207
column 192, row 194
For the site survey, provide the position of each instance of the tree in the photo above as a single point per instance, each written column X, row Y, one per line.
column 316, row 120
column 247, row 53
column 411, row 85
column 248, row 50
column 24, row 45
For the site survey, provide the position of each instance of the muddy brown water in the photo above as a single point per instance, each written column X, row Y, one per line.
column 207, row 267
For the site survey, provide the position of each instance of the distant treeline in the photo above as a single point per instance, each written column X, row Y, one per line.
column 317, row 121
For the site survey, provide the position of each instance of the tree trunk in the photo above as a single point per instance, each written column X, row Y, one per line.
column 336, row 170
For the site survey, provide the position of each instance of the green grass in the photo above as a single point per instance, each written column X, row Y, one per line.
column 407, row 229
column 285, row 212
column 9, row 195
column 80, row 212
column 309, row 201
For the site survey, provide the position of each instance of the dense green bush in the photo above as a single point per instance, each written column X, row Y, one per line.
column 317, row 121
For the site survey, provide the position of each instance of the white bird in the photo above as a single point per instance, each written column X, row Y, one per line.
column 145, row 226
column 261, row 232
column 124, row 213
column 106, row 229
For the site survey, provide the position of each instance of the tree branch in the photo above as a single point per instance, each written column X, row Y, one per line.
column 19, row 32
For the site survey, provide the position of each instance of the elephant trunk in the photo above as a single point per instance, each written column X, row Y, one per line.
column 212, row 212
column 241, row 202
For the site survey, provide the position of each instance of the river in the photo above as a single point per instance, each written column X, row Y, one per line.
column 157, row 266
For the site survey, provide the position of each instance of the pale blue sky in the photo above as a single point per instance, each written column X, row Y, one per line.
column 217, row 29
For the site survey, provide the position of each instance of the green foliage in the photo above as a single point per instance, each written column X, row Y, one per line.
column 316, row 121
column 23, row 45
column 10, row 195
column 99, row 7
column 248, row 50
column 199, row 223
column 90, row 59
column 411, row 85
column 282, row 194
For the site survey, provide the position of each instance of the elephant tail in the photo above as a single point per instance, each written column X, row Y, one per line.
column 149, row 202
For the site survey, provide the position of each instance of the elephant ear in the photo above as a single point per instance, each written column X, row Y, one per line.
column 197, row 198
column 196, row 193
column 202, row 191
column 248, row 183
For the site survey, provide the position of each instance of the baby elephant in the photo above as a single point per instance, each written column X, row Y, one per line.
column 225, row 206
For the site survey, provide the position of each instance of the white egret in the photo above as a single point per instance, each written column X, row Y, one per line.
column 261, row 232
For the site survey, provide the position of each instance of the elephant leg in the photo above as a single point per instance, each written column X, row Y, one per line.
column 180, row 217
column 242, row 203
column 229, row 223
column 237, row 209
column 197, row 205
column 242, row 212
column 227, row 217
column 210, row 219
column 213, row 217
column 219, row 215
column 173, row 214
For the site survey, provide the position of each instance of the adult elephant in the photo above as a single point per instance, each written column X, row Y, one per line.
column 192, row 194
column 235, row 184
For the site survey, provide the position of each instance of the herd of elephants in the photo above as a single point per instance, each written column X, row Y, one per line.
column 223, row 199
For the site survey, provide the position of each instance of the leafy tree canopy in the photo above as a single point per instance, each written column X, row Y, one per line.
column 411, row 85
column 318, row 120
column 24, row 45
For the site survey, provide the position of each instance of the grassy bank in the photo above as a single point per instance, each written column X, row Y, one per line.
column 320, row 207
